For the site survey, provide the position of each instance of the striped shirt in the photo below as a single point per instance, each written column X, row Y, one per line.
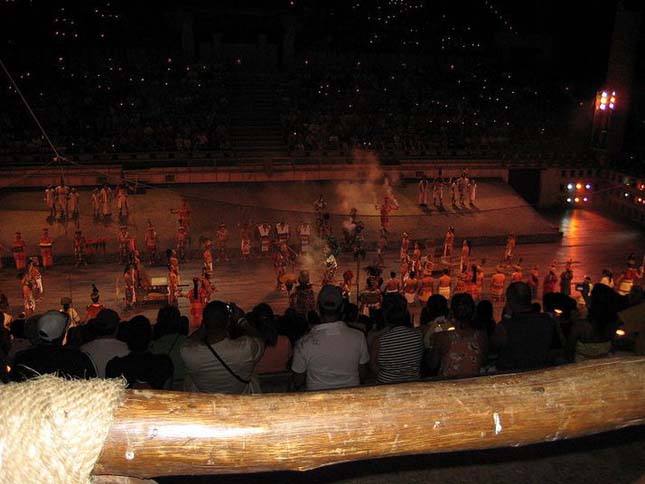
column 399, row 355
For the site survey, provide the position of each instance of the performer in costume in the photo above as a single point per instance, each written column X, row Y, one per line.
column 460, row 285
column 497, row 282
column 405, row 245
column 181, row 239
column 416, row 258
column 173, row 261
column 517, row 274
column 471, row 277
column 245, row 241
column 19, row 252
column 173, row 285
column 221, row 239
column 207, row 256
column 550, row 281
column 630, row 276
column 105, row 197
column 465, row 256
column 304, row 232
column 283, row 232
column 124, row 244
column 265, row 238
column 472, row 192
column 46, row 249
column 389, row 204
column 449, row 242
column 410, row 288
column 566, row 277
column 381, row 246
column 445, row 282
column 405, row 267
column 424, row 187
column 122, row 204
column 462, row 183
column 73, row 203
column 511, row 241
column 95, row 307
column 370, row 298
column 320, row 208
column 392, row 285
column 150, row 241
column 61, row 200
column 534, row 281
column 96, row 204
column 80, row 245
column 346, row 287
column 426, row 284
column 607, row 278
column 33, row 272
column 453, row 192
column 279, row 267
column 50, row 202
column 196, row 301
column 437, row 188
column 130, row 281
column 28, row 299
column 183, row 214
column 206, row 288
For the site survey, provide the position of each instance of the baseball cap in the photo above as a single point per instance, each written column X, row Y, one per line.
column 330, row 298
column 52, row 325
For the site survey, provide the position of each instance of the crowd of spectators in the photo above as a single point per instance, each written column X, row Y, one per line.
column 324, row 345
column 450, row 105
column 129, row 102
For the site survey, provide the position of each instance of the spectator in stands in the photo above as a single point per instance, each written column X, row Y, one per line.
column 434, row 319
column 592, row 337
column 302, row 299
column 332, row 355
column 397, row 355
column 49, row 356
column 141, row 368
column 460, row 352
column 19, row 339
column 484, row 320
column 104, row 346
column 216, row 362
column 168, row 337
column 4, row 311
column 524, row 337
column 277, row 347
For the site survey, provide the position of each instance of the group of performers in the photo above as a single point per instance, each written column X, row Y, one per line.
column 461, row 190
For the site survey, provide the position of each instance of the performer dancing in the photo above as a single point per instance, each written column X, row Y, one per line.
column 245, row 241
column 27, row 295
column 196, row 302
column 497, row 282
column 426, row 283
column 61, row 200
column 264, row 230
column 221, row 239
column 124, row 244
column 105, row 197
column 207, row 256
column 46, row 249
column 511, row 241
column 50, row 202
column 36, row 277
column 389, row 204
column 392, row 285
column 283, row 232
column 445, row 281
column 320, row 208
column 304, row 232
column 405, row 245
column 96, row 204
column 122, row 204
column 465, row 256
column 95, row 307
column 472, row 192
column 550, row 281
column 181, row 240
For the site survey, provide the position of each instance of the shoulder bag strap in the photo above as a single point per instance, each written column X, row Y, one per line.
column 235, row 375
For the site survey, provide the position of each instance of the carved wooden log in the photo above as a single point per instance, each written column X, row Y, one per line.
column 167, row 433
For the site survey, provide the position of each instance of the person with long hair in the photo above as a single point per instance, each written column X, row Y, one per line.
column 196, row 301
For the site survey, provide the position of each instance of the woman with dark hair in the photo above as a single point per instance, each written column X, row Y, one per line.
column 277, row 347
column 168, row 338
column 593, row 337
column 196, row 301
column 460, row 351
column 397, row 355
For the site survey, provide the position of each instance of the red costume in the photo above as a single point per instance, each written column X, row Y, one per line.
column 386, row 208
column 221, row 238
column 150, row 240
column 46, row 252
column 18, row 250
column 448, row 242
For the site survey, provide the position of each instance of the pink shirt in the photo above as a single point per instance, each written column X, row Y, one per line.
column 275, row 358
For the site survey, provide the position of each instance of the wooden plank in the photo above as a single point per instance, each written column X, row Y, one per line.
column 168, row 433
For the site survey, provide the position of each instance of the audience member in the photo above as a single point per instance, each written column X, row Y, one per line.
column 104, row 346
column 460, row 352
column 214, row 361
column 332, row 355
column 141, row 368
column 50, row 356
column 524, row 337
column 277, row 347
column 397, row 355
column 168, row 337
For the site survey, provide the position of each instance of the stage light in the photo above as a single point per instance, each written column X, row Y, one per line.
column 585, row 199
column 626, row 194
column 578, row 186
column 620, row 332
column 576, row 199
column 569, row 200
column 570, row 186
column 588, row 186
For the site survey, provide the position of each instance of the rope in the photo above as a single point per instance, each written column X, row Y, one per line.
column 33, row 115
column 53, row 429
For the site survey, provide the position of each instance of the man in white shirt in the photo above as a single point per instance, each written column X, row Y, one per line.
column 105, row 346
column 332, row 355
column 230, row 371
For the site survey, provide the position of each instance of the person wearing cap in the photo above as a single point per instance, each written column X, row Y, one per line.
column 105, row 346
column 49, row 356
column 72, row 314
column 332, row 355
